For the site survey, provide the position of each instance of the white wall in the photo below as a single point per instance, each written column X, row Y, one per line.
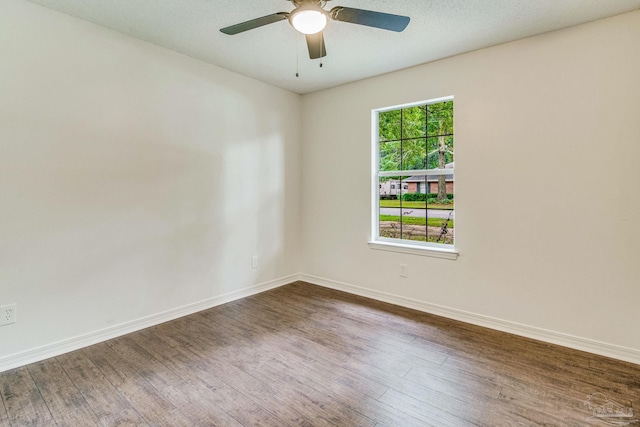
column 547, row 183
column 133, row 180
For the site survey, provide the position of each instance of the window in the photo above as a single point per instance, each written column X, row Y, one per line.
column 413, row 179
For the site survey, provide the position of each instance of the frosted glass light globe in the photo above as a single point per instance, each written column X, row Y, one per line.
column 309, row 21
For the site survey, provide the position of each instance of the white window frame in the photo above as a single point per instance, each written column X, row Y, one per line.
column 438, row 250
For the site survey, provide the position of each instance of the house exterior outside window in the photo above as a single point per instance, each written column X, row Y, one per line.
column 413, row 178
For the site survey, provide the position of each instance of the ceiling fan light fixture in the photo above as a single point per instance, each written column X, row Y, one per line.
column 308, row 21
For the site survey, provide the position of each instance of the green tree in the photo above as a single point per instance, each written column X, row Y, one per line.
column 402, row 139
column 440, row 131
column 418, row 137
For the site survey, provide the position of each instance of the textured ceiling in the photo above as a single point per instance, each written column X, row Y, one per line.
column 438, row 29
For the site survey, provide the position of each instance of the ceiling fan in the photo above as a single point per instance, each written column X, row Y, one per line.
column 310, row 18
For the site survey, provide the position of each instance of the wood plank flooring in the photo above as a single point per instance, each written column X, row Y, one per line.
column 302, row 355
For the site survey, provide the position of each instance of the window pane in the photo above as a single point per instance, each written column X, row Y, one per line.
column 389, row 125
column 440, row 152
column 389, row 206
column 414, row 122
column 414, row 153
column 448, row 145
column 440, row 118
column 389, row 189
column 414, row 207
column 440, row 209
column 390, row 156
column 432, row 153
column 438, row 233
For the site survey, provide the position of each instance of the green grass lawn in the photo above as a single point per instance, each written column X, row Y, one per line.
column 415, row 205
column 412, row 220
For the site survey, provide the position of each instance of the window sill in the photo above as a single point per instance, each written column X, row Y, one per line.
column 415, row 250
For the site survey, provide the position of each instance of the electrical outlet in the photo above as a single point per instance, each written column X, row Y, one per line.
column 7, row 314
column 404, row 270
column 254, row 261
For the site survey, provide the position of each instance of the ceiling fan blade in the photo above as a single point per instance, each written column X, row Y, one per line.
column 315, row 43
column 385, row 21
column 255, row 23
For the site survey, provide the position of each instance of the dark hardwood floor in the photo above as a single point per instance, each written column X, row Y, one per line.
column 302, row 355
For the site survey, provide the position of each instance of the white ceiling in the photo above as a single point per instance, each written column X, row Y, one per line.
column 438, row 29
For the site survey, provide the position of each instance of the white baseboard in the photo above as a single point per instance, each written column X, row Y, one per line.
column 565, row 340
column 75, row 343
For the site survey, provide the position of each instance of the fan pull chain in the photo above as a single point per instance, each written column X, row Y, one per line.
column 297, row 53
column 321, row 44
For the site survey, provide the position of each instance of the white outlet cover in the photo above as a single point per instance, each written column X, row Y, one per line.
column 7, row 314
column 404, row 270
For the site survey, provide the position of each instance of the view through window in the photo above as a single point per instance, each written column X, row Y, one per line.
column 414, row 161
